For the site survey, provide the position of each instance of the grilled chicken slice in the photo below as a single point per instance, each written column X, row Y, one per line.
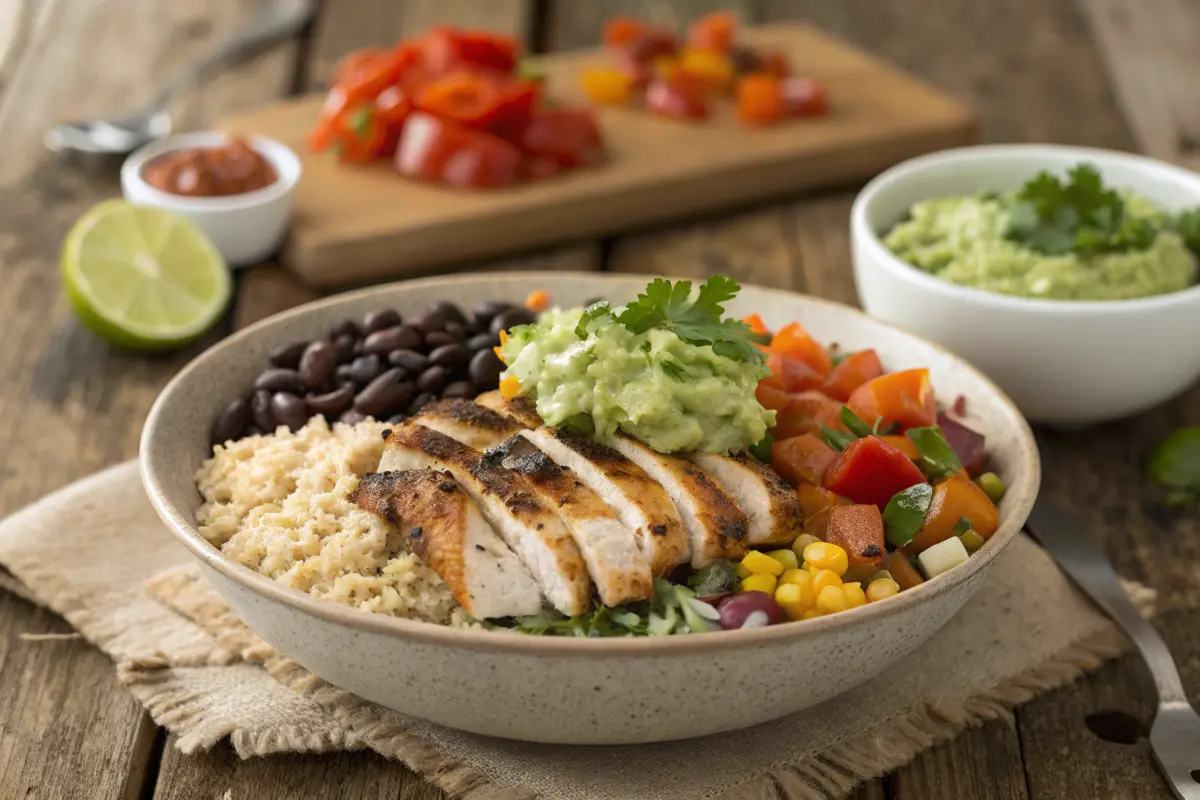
column 468, row 422
column 715, row 526
column 444, row 527
column 533, row 531
column 640, row 503
column 770, row 505
column 620, row 570
column 520, row 409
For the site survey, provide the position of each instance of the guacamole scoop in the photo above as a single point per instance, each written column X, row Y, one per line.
column 654, row 386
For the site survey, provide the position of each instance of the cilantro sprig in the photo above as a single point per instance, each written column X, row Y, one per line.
column 666, row 305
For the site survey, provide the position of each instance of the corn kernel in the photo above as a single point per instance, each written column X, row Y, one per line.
column 798, row 577
column 881, row 589
column 855, row 596
column 802, row 541
column 758, row 583
column 883, row 573
column 762, row 564
column 831, row 600
column 741, row 571
column 811, row 613
column 790, row 597
column 824, row 555
column 785, row 557
column 823, row 578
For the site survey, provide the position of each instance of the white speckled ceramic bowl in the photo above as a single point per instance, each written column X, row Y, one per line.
column 576, row 691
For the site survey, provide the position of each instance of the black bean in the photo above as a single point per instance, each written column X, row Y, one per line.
column 436, row 339
column 432, row 320
column 510, row 319
column 464, row 389
column 346, row 327
column 432, row 380
column 470, row 328
column 331, row 404
column 260, row 408
column 482, row 341
column 399, row 337
column 360, row 347
column 456, row 330
column 279, row 380
column 288, row 409
column 485, row 370
column 450, row 311
column 345, row 346
column 364, row 369
column 450, row 356
column 351, row 417
column 411, row 360
column 287, row 356
column 420, row 401
column 485, row 312
column 380, row 320
column 254, row 430
column 318, row 363
column 232, row 422
column 342, row 374
column 387, row 392
column 396, row 419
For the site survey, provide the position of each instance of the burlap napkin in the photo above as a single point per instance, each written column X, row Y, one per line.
column 96, row 553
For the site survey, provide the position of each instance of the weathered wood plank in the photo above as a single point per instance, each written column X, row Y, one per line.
column 982, row 764
column 1150, row 51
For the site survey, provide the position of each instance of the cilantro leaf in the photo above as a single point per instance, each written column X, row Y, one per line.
column 838, row 440
column 674, row 370
column 593, row 312
column 1187, row 225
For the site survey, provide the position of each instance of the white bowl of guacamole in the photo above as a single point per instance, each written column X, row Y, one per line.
column 1075, row 334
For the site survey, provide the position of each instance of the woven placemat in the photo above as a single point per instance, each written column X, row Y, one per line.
column 97, row 553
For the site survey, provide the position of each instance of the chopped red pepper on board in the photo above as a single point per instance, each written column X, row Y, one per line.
column 871, row 471
column 435, row 149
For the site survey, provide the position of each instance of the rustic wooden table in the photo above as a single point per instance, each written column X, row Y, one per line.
column 1097, row 72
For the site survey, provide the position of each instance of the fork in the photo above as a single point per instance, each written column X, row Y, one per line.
column 1175, row 733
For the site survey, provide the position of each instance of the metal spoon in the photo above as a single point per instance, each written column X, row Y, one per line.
column 1175, row 733
column 118, row 137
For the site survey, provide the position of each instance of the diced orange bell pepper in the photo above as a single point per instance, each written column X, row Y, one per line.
column 852, row 372
column 904, row 397
column 802, row 459
column 858, row 529
column 791, row 374
column 955, row 499
column 621, row 31
column 759, row 99
column 903, row 571
column 903, row 444
column 537, row 301
column 817, row 498
column 792, row 340
column 466, row 98
column 871, row 471
column 714, row 32
column 607, row 85
column 806, row 412
column 509, row 388
column 770, row 396
column 713, row 70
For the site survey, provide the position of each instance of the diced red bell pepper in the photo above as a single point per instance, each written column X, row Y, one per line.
column 434, row 149
column 852, row 372
column 463, row 97
column 792, row 340
column 358, row 134
column 806, row 412
column 804, row 97
column 871, row 471
column 905, row 398
column 364, row 78
column 791, row 374
column 519, row 101
column 676, row 98
column 324, row 132
column 536, row 168
column 392, row 108
column 445, row 49
column 802, row 459
column 570, row 136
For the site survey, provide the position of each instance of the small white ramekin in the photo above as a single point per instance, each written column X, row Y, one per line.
column 1067, row 363
column 246, row 228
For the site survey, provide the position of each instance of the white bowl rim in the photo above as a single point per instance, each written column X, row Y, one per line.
column 870, row 238
column 181, row 525
column 284, row 160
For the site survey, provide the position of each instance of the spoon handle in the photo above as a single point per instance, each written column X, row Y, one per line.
column 280, row 21
column 1079, row 556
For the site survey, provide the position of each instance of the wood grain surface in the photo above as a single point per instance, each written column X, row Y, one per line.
column 1080, row 71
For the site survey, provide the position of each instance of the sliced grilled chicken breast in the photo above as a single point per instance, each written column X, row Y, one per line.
column 639, row 502
column 715, row 526
column 534, row 532
column 520, row 409
column 470, row 423
column 770, row 505
column 620, row 570
column 444, row 527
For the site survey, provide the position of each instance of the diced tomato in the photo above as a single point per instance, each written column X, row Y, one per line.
column 806, row 412
column 858, row 530
column 804, row 97
column 676, row 98
column 904, row 397
column 434, row 149
column 852, row 372
column 770, row 396
column 462, row 97
column 536, row 168
column 570, row 136
column 871, row 471
column 802, row 459
column 792, row 340
column 791, row 374
column 519, row 101
column 715, row 32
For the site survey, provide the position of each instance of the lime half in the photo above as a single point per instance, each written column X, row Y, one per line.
column 142, row 277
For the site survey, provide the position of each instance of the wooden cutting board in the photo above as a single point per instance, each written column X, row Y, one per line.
column 360, row 224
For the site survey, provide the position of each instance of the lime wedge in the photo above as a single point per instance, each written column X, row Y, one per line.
column 142, row 277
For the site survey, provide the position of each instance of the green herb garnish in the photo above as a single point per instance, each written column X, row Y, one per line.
column 674, row 370
column 905, row 513
column 855, row 429
column 962, row 526
column 762, row 448
column 937, row 457
column 1175, row 464
column 838, row 440
column 715, row 578
column 856, row 425
column 1187, row 225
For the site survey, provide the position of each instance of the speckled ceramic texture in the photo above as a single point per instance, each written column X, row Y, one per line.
column 576, row 691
